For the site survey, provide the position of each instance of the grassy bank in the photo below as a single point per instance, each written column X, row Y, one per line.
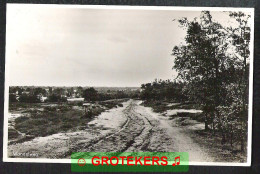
column 163, row 106
column 220, row 152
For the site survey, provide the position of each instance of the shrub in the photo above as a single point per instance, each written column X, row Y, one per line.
column 80, row 104
column 64, row 108
column 21, row 119
column 12, row 133
column 48, row 108
column 67, row 126
column 29, row 98
column 12, row 98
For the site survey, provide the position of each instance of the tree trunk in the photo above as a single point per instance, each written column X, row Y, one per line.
column 206, row 122
column 217, row 100
column 242, row 149
column 213, row 125
column 231, row 137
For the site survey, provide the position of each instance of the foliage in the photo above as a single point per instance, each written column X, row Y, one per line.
column 163, row 90
column 50, row 121
column 213, row 71
column 12, row 98
column 29, row 98
column 56, row 98
column 216, row 76
column 90, row 94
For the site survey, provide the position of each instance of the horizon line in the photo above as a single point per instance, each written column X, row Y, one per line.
column 75, row 86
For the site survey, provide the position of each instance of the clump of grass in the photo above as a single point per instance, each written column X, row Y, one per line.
column 30, row 111
column 16, row 105
column 120, row 105
column 112, row 103
column 186, row 106
column 49, row 108
column 94, row 111
column 80, row 104
column 64, row 108
column 160, row 106
column 21, row 119
column 157, row 106
column 12, row 133
column 199, row 117
column 109, row 105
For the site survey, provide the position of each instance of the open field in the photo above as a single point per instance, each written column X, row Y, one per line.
column 39, row 120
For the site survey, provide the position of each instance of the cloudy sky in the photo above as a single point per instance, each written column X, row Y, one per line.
column 52, row 46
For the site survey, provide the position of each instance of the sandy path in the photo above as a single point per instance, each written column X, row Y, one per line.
column 181, row 140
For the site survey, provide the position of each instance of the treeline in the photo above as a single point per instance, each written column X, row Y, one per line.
column 163, row 90
column 51, row 94
column 91, row 94
column 36, row 94
column 213, row 71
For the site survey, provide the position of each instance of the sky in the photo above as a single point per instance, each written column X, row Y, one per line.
column 56, row 46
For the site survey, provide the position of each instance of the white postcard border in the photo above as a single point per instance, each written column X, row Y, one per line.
column 250, row 111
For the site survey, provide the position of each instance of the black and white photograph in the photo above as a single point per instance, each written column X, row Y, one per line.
column 128, row 79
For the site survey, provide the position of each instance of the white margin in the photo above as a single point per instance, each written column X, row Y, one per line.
column 250, row 108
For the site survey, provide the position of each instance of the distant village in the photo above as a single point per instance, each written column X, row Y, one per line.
column 68, row 94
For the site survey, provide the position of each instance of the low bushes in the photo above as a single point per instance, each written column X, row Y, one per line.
column 50, row 121
column 120, row 105
column 46, row 120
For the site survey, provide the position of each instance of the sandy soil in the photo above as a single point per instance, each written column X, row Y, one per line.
column 131, row 128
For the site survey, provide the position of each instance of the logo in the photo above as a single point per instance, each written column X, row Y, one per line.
column 129, row 161
column 81, row 162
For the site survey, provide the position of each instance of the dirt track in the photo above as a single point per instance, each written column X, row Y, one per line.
column 133, row 128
